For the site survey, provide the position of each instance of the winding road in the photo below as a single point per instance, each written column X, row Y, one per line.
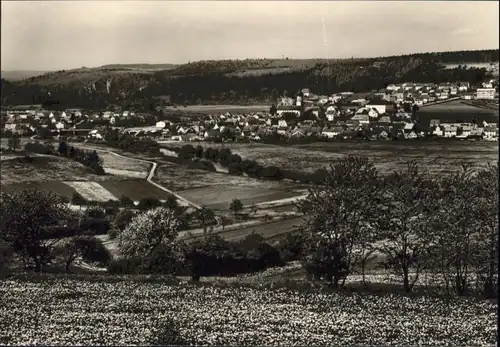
column 150, row 176
column 219, row 228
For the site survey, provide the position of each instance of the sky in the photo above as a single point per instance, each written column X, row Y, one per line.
column 45, row 35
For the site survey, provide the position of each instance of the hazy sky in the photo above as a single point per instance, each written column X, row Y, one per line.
column 42, row 35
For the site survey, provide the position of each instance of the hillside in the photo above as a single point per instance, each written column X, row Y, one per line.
column 240, row 81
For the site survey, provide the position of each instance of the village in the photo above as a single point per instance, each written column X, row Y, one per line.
column 387, row 114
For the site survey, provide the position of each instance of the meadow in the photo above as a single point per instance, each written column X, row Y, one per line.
column 437, row 157
column 124, row 311
column 120, row 166
column 45, row 168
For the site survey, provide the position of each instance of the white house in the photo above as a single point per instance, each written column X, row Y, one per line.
column 411, row 135
column 335, row 98
column 485, row 93
column 282, row 111
column 450, row 131
column 466, row 131
column 392, row 87
column 463, row 86
column 282, row 123
column 331, row 132
column 408, row 127
column 490, row 133
column 160, row 125
column 438, row 131
column 59, row 125
column 381, row 109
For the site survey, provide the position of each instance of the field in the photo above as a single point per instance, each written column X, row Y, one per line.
column 216, row 190
column 56, row 187
column 456, row 111
column 220, row 108
column 269, row 231
column 120, row 166
column 134, row 189
column 63, row 177
column 46, row 168
column 219, row 197
column 436, row 157
column 124, row 311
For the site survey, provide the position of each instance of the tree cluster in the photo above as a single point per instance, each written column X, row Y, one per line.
column 38, row 228
column 412, row 222
column 88, row 158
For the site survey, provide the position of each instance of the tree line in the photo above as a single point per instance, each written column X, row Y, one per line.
column 88, row 158
column 238, row 166
column 214, row 82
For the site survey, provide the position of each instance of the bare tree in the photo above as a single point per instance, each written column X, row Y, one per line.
column 404, row 223
column 336, row 214
column 486, row 207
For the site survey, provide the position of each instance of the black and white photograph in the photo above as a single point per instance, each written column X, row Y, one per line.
column 249, row 173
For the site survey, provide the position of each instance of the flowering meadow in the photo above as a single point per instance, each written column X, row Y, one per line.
column 126, row 311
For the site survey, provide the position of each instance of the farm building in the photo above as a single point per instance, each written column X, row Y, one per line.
column 485, row 93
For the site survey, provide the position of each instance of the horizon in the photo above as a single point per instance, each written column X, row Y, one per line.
column 123, row 33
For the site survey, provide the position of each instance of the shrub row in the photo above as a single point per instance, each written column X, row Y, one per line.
column 237, row 166
column 212, row 256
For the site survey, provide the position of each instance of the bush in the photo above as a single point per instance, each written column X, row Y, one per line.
column 291, row 246
column 113, row 233
column 78, row 199
column 124, row 266
column 148, row 203
column 126, row 201
column 160, row 261
column 123, row 218
column 250, row 242
column 95, row 226
column 6, row 254
column 264, row 256
column 93, row 250
column 95, row 212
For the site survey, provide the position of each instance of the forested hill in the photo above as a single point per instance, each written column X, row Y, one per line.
column 239, row 81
